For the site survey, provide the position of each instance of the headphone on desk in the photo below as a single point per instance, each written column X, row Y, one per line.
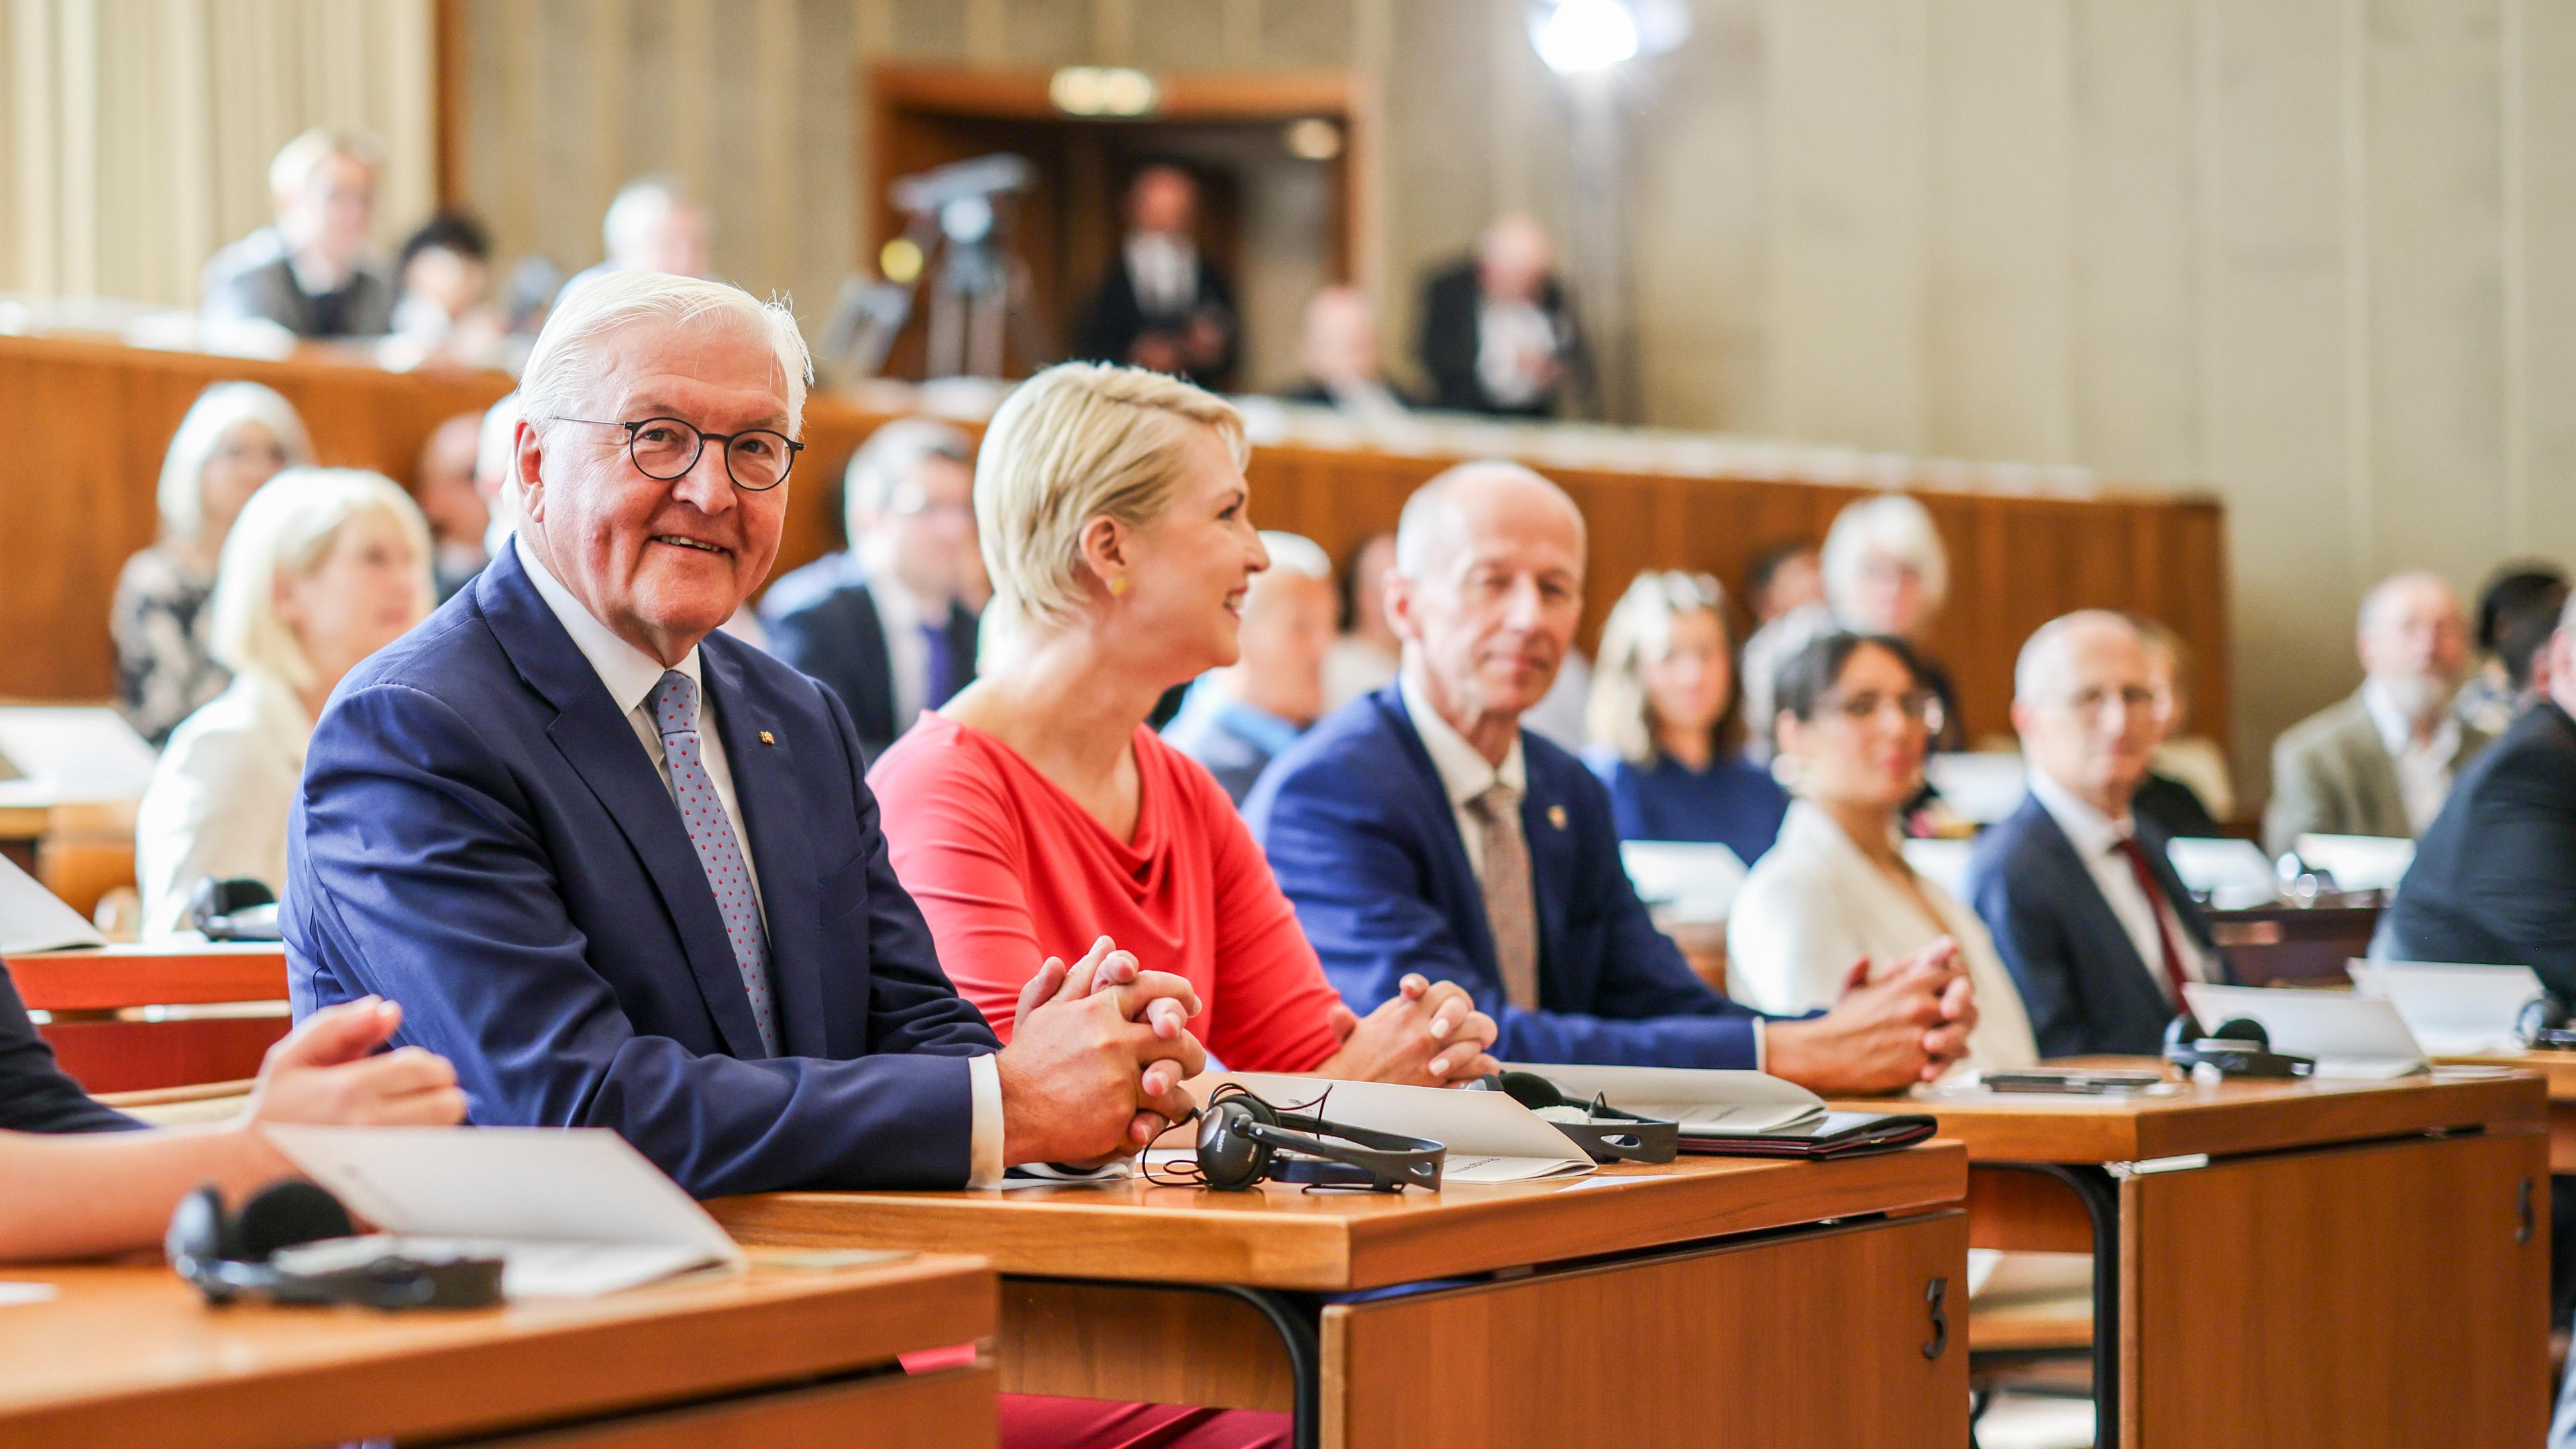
column 2239, row 1048
column 1605, row 1133
column 237, row 908
column 2542, row 1024
column 229, row 1257
column 1244, row 1141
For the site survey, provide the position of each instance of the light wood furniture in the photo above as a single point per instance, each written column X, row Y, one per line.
column 2558, row 1070
column 235, row 993
column 128, row 1355
column 1643, row 1306
column 2288, row 1263
column 78, row 850
column 2287, row 945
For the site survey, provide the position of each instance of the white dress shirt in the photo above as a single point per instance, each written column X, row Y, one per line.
column 1515, row 343
column 630, row 675
column 1164, row 270
column 2423, row 767
column 2096, row 838
column 220, row 798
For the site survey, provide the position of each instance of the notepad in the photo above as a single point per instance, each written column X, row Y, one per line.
column 33, row 919
column 2348, row 1035
column 2454, row 1011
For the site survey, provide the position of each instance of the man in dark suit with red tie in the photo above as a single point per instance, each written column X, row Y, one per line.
column 2090, row 918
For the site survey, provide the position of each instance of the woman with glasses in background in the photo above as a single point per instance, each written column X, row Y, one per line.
column 1835, row 898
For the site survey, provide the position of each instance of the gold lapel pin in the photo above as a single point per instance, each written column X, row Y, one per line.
column 1556, row 816
column 767, row 738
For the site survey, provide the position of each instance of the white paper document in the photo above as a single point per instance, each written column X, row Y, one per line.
column 53, row 755
column 2359, row 862
column 1490, row 1137
column 2234, row 874
column 1706, row 1103
column 571, row 1213
column 33, row 919
column 1982, row 786
column 2348, row 1035
column 2454, row 1011
column 1691, row 880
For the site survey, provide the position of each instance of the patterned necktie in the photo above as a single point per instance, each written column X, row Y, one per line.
column 1509, row 908
column 2138, row 866
column 675, row 714
column 940, row 678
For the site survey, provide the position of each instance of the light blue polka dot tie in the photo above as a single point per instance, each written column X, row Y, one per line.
column 675, row 714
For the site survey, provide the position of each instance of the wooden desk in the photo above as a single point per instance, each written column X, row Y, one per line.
column 79, row 850
column 1789, row 1303
column 93, row 998
column 128, row 1355
column 2291, row 1263
column 2558, row 1070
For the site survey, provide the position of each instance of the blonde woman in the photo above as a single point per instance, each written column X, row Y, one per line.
column 1667, row 740
column 324, row 567
column 236, row 436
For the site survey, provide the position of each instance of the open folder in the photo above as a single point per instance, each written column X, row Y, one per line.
column 571, row 1213
column 1490, row 1137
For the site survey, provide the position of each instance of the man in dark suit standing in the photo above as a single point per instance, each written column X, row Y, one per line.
column 1163, row 305
column 1421, row 829
column 885, row 622
column 1497, row 335
column 2089, row 916
column 623, row 870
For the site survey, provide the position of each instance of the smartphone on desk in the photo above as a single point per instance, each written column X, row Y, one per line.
column 2078, row 1081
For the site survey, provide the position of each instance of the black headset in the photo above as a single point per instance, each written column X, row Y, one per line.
column 233, row 909
column 2239, row 1048
column 1244, row 1140
column 2542, row 1024
column 1611, row 1135
column 229, row 1257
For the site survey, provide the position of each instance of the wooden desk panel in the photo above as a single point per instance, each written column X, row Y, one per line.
column 106, row 1052
column 1280, row 1237
column 2558, row 1070
column 129, row 1356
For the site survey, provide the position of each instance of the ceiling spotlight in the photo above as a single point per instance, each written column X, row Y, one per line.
column 1583, row 37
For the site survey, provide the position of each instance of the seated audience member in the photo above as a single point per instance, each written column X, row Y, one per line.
column 452, row 503
column 320, row 284
column 1037, row 811
column 1667, row 740
column 2381, row 762
column 1341, row 360
column 1856, row 719
column 883, row 622
column 1422, row 833
column 446, row 313
column 2494, row 878
column 496, row 455
column 1885, row 573
column 234, row 438
column 1239, row 718
column 2517, row 612
column 1782, row 579
column 1163, row 305
column 1497, row 334
column 2183, row 766
column 527, row 821
column 653, row 225
column 81, row 1180
column 2098, row 931
column 325, row 567
column 1363, row 659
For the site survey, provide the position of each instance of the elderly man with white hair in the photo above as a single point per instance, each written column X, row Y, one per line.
column 314, row 277
column 654, row 224
column 1240, row 718
column 624, row 871
column 2094, row 925
column 2381, row 762
column 1421, row 831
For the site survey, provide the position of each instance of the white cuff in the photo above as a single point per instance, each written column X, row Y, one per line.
column 984, row 1081
column 1761, row 1046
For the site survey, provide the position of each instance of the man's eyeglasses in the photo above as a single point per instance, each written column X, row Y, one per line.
column 756, row 460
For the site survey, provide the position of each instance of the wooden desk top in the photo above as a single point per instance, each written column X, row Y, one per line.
column 1282, row 1237
column 2558, row 1069
column 128, row 1354
column 178, row 975
column 2228, row 1118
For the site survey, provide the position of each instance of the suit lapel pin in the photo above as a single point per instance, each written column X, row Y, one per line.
column 1556, row 816
column 767, row 738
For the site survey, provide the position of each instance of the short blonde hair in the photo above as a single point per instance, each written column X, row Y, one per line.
column 1640, row 626
column 1893, row 524
column 1078, row 441
column 211, row 419
column 570, row 354
column 288, row 528
column 298, row 159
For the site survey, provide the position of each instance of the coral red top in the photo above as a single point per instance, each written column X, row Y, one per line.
column 1011, row 870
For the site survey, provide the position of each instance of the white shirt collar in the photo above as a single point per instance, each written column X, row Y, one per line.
column 2091, row 832
column 629, row 672
column 1463, row 771
column 2397, row 732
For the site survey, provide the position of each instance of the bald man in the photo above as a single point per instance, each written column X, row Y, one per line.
column 2090, row 918
column 2382, row 761
column 1497, row 334
column 1420, row 828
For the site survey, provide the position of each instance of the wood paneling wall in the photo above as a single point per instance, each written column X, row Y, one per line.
column 91, row 421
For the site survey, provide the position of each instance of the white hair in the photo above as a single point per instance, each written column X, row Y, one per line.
column 297, row 160
column 1892, row 524
column 288, row 529
column 1425, row 527
column 1295, row 553
column 644, row 204
column 2380, row 593
column 572, row 352
column 2043, row 655
column 210, row 420
column 496, row 450
column 889, row 457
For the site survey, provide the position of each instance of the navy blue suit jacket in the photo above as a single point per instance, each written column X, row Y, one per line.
column 2082, row 980
column 481, row 837
column 823, row 619
column 1363, row 839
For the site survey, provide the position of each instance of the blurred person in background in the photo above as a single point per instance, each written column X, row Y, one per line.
column 1239, row 718
column 320, row 283
column 1164, row 305
column 1341, row 359
column 2186, row 788
column 1782, row 579
column 653, row 225
column 1667, row 739
column 443, row 484
column 1498, row 335
column 2517, row 610
column 1885, row 572
column 1364, row 657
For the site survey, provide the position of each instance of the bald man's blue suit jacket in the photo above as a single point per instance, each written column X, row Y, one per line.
column 1361, row 834
column 481, row 837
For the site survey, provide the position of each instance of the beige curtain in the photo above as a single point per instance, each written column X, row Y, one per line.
column 135, row 135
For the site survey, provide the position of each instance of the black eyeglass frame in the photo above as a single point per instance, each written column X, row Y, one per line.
column 703, row 436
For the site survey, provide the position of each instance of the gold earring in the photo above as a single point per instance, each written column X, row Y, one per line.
column 1118, row 587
